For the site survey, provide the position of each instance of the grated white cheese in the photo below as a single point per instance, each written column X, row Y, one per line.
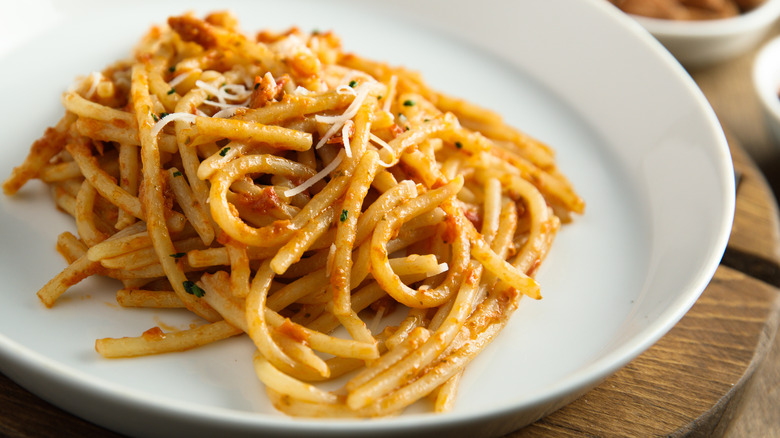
column 328, row 134
column 226, row 113
column 180, row 78
column 224, row 93
column 318, row 177
column 345, row 89
column 270, row 78
column 384, row 146
column 360, row 96
column 187, row 117
column 236, row 91
column 214, row 91
column 338, row 121
column 345, row 137
column 225, row 105
column 302, row 91
column 95, row 77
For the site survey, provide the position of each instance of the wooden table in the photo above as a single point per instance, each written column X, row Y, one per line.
column 716, row 373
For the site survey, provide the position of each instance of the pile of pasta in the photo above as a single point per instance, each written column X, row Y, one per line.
column 280, row 187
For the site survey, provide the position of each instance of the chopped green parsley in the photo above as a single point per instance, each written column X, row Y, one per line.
column 193, row 289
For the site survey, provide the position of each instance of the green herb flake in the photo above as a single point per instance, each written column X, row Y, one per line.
column 193, row 289
column 179, row 255
column 408, row 102
column 177, row 173
column 163, row 115
column 379, row 97
column 458, row 144
column 172, row 68
column 353, row 83
column 223, row 152
column 344, row 214
column 156, row 119
column 171, row 91
column 257, row 85
column 188, row 140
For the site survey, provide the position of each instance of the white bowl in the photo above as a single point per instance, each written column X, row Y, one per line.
column 707, row 42
column 766, row 81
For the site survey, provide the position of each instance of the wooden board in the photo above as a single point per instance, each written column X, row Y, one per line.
column 696, row 380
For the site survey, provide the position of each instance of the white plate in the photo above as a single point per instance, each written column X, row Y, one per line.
column 632, row 132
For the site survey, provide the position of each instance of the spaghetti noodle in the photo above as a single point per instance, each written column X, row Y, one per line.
column 281, row 188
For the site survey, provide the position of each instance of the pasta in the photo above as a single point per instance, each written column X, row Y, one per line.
column 283, row 189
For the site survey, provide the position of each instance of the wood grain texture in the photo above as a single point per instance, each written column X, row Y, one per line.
column 756, row 229
column 693, row 382
column 759, row 413
column 24, row 415
column 687, row 382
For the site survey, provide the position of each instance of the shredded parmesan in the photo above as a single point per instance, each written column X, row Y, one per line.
column 227, row 112
column 330, row 133
column 224, row 93
column 345, row 137
column 224, row 104
column 270, row 78
column 237, row 91
column 301, row 91
column 318, row 177
column 338, row 121
column 187, row 117
column 345, row 89
column 95, row 78
column 180, row 78
column 384, row 146
column 360, row 96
